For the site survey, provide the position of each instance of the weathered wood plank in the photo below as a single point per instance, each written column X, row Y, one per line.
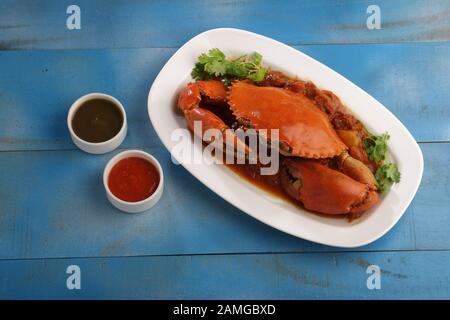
column 404, row 275
column 53, row 205
column 37, row 88
column 120, row 24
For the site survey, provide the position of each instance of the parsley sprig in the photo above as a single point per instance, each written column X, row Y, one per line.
column 215, row 64
column 387, row 174
column 376, row 147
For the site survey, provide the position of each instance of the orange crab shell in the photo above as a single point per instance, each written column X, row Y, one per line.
column 302, row 126
column 325, row 190
column 191, row 95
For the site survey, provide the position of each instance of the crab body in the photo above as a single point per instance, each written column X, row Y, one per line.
column 304, row 130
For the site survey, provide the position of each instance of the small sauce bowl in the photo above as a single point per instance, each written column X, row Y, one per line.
column 103, row 146
column 139, row 206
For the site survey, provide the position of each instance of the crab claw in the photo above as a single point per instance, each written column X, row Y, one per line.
column 357, row 170
column 325, row 190
column 212, row 91
column 191, row 95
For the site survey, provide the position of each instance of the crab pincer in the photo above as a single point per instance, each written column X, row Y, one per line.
column 212, row 92
column 322, row 189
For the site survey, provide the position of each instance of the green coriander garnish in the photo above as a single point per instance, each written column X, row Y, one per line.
column 215, row 64
column 376, row 147
column 386, row 175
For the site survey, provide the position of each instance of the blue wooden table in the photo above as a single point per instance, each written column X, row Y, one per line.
column 53, row 211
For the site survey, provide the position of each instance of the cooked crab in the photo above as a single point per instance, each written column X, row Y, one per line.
column 310, row 132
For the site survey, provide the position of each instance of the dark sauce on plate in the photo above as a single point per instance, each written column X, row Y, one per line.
column 271, row 185
column 97, row 120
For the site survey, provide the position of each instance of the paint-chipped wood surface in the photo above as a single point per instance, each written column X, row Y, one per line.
column 53, row 211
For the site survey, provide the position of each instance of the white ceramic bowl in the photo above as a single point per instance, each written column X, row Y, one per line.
column 99, row 147
column 139, row 206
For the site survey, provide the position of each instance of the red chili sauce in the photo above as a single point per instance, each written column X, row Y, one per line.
column 133, row 179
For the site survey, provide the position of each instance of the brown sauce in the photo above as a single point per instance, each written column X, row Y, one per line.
column 270, row 184
column 245, row 171
column 97, row 120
